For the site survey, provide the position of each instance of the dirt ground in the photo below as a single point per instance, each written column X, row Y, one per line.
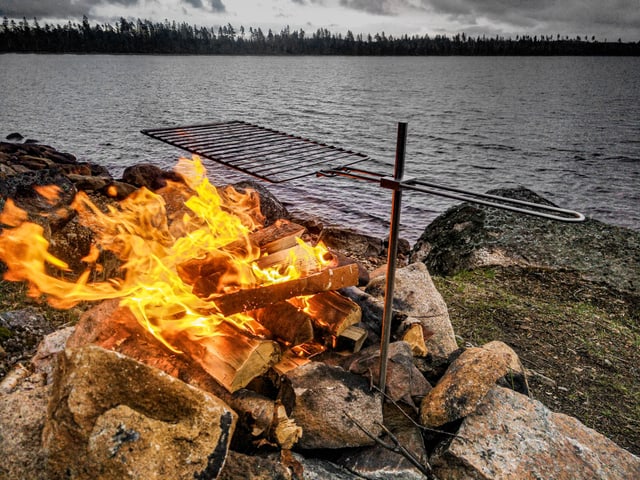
column 580, row 340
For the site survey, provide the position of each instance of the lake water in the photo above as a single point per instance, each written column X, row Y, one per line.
column 566, row 127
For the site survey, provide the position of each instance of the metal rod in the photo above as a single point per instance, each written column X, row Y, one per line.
column 392, row 255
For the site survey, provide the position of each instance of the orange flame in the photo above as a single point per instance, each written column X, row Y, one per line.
column 151, row 244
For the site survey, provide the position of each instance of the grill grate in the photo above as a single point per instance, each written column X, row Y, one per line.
column 262, row 152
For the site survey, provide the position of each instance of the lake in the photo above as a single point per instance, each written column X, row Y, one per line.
column 566, row 127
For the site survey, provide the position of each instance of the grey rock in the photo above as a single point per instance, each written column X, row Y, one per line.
column 469, row 236
column 513, row 436
column 325, row 398
column 416, row 296
column 270, row 206
column 110, row 416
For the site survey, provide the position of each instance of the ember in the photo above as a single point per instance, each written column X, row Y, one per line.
column 196, row 267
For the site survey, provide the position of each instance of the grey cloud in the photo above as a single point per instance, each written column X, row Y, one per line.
column 217, row 6
column 193, row 3
column 54, row 8
column 377, row 7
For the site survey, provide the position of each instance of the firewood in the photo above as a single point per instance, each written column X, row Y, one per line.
column 279, row 236
column 254, row 298
column 231, row 357
column 286, row 323
column 351, row 339
column 297, row 257
column 414, row 335
column 289, row 361
column 331, row 311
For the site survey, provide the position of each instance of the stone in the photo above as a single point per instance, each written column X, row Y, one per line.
column 14, row 137
column 513, row 436
column 380, row 463
column 45, row 357
column 118, row 190
column 404, row 380
column 416, row 296
column 469, row 236
column 351, row 242
column 20, row 187
column 88, row 183
column 516, row 377
column 284, row 465
column 149, row 176
column 270, row 207
column 24, row 329
column 463, row 385
column 110, row 416
column 325, row 398
column 22, row 407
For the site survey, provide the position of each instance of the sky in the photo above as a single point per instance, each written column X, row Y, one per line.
column 604, row 19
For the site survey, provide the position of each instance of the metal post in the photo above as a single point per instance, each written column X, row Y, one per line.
column 392, row 255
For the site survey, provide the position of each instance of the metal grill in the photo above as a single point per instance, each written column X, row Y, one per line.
column 262, row 152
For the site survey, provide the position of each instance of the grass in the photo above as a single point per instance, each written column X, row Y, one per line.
column 581, row 335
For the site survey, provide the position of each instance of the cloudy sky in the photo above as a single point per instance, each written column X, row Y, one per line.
column 606, row 19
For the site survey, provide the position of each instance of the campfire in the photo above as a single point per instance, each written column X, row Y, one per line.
column 200, row 272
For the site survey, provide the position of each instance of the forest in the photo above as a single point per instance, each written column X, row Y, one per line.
column 146, row 37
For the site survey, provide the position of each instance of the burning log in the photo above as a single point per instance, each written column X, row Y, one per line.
column 232, row 358
column 254, row 298
column 279, row 236
column 331, row 311
column 286, row 323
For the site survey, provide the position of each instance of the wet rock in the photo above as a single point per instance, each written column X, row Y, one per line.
column 513, row 436
column 468, row 236
column 88, row 183
column 14, row 137
column 464, row 384
column 270, row 207
column 23, row 188
column 22, row 407
column 112, row 417
column 149, row 176
column 416, row 296
column 404, row 380
column 118, row 190
column 351, row 242
column 325, row 398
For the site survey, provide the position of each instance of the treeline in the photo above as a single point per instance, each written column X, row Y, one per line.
column 146, row 37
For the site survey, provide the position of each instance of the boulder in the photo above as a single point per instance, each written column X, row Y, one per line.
column 469, row 236
column 149, row 176
column 23, row 401
column 270, row 207
column 516, row 377
column 512, row 436
column 351, row 242
column 416, row 296
column 110, row 416
column 464, row 384
column 404, row 380
column 325, row 398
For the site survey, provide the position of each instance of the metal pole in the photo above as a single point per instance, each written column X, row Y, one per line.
column 392, row 255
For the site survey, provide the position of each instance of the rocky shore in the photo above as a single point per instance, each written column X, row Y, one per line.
column 530, row 369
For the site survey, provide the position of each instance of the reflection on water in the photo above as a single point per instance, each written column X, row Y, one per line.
column 566, row 127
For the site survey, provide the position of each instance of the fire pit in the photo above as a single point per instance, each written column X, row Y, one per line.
column 278, row 157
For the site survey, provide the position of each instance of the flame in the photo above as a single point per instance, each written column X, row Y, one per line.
column 153, row 234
